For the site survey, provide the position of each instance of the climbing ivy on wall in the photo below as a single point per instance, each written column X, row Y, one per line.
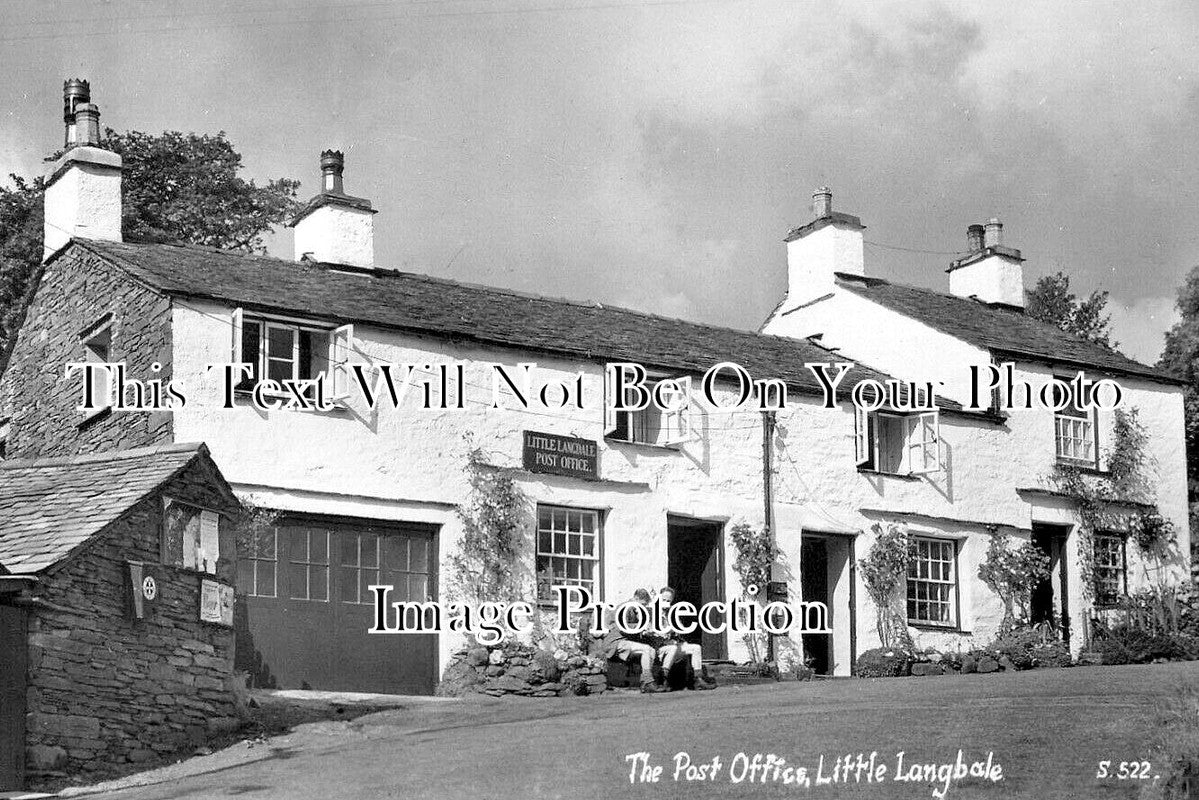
column 884, row 571
column 1125, row 483
column 485, row 566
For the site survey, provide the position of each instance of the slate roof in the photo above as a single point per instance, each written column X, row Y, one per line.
column 50, row 506
column 461, row 311
column 1001, row 329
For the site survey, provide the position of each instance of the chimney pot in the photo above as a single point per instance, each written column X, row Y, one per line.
column 993, row 233
column 974, row 238
column 74, row 93
column 87, row 125
column 822, row 202
column 333, row 164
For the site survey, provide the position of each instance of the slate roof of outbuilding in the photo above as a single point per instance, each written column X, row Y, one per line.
column 467, row 312
column 1000, row 329
column 50, row 506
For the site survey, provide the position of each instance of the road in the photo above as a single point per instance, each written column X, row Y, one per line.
column 1047, row 731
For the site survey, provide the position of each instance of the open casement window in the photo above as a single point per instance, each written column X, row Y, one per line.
column 341, row 344
column 898, row 444
column 653, row 425
column 285, row 350
column 97, row 349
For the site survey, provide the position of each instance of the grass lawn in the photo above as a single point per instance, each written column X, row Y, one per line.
column 1049, row 730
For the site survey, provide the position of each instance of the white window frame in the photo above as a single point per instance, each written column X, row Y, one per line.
column 674, row 428
column 921, row 452
column 594, row 584
column 951, row 600
column 340, row 343
column 1119, row 571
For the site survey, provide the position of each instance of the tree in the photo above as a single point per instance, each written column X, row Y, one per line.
column 1052, row 301
column 1181, row 357
column 176, row 186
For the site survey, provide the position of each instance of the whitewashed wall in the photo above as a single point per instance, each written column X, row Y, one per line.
column 410, row 465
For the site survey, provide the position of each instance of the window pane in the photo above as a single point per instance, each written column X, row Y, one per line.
column 298, row 541
column 251, row 340
column 349, row 548
column 280, row 342
column 318, row 583
column 347, row 590
column 369, row 549
column 297, row 577
column 418, row 550
column 245, row 576
column 395, row 552
column 367, row 578
column 265, row 581
column 318, row 547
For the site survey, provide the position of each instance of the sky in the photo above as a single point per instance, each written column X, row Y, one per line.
column 654, row 153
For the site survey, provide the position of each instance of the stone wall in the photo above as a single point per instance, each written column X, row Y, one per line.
column 104, row 688
column 520, row 669
column 76, row 291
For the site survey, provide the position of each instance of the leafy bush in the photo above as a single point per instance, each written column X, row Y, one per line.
column 1124, row 645
column 1027, row 648
column 884, row 663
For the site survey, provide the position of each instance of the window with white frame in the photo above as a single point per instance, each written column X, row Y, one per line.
column 257, row 567
column 898, row 444
column 932, row 582
column 284, row 350
column 568, row 549
column 668, row 423
column 97, row 349
column 1075, row 431
column 1110, row 568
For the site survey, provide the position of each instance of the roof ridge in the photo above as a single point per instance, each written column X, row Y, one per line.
column 108, row 455
column 387, row 272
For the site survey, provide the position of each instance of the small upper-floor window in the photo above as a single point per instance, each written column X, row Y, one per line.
column 898, row 444
column 669, row 421
column 284, row 350
column 1110, row 568
column 97, row 349
column 1075, row 432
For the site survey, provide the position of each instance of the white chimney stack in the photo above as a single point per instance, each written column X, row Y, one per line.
column 831, row 243
column 334, row 227
column 989, row 271
column 83, row 187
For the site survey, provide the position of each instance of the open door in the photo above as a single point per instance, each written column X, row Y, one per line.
column 814, row 588
column 1050, row 600
column 695, row 568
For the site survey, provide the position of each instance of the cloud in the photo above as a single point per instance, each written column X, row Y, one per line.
column 1139, row 326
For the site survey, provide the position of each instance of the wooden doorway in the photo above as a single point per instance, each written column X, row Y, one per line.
column 814, row 588
column 695, row 568
column 1050, row 602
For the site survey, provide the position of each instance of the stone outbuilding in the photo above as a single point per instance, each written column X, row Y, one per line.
column 116, row 607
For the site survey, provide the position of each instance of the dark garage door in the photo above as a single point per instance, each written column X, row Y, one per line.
column 304, row 622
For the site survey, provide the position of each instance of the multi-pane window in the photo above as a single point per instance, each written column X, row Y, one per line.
column 257, row 564
column 931, row 582
column 281, row 351
column 359, row 566
column 1074, row 430
column 406, row 567
column 568, row 549
column 308, row 567
column 1110, row 569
